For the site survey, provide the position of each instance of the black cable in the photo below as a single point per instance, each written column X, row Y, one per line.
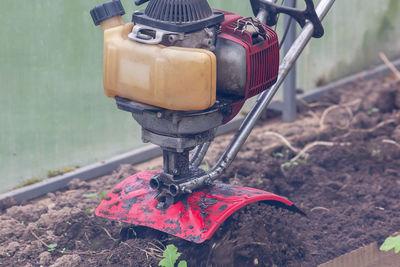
column 285, row 33
column 277, row 19
column 286, row 30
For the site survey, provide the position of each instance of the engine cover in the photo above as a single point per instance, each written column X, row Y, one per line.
column 247, row 59
column 231, row 60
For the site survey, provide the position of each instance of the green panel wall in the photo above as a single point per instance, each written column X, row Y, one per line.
column 356, row 31
column 53, row 113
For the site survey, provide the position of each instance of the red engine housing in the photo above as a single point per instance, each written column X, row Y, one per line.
column 262, row 58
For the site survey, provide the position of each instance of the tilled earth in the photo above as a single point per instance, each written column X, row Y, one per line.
column 340, row 164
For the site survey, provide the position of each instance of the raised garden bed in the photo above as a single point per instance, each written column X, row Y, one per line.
column 348, row 184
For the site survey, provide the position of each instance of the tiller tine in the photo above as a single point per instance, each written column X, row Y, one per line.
column 194, row 217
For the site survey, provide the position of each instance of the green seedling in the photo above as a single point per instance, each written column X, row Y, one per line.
column 68, row 222
column 91, row 195
column 102, row 195
column 170, row 256
column 295, row 163
column 88, row 211
column 277, row 155
column 289, row 164
column 205, row 166
column 391, row 243
column 376, row 152
column 63, row 251
column 52, row 247
column 373, row 110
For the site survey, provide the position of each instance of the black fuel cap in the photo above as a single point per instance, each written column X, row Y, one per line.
column 107, row 10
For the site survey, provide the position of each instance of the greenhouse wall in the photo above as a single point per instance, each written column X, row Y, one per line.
column 54, row 115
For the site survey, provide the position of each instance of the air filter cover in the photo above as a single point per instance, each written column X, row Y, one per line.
column 178, row 15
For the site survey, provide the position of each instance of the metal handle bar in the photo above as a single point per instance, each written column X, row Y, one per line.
column 140, row 2
column 260, row 105
column 267, row 11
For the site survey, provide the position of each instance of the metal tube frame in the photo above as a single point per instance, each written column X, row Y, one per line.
column 260, row 105
column 198, row 154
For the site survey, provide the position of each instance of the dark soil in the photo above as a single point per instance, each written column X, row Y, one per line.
column 348, row 187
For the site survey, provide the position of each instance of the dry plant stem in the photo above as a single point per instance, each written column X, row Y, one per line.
column 314, row 144
column 346, row 106
column 370, row 130
column 152, row 252
column 109, row 235
column 388, row 141
column 309, row 147
column 311, row 105
column 390, row 65
column 319, row 208
column 283, row 139
column 90, row 252
column 313, row 115
column 253, row 243
column 373, row 129
column 40, row 240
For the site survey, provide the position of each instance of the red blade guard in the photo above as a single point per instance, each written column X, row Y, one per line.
column 194, row 218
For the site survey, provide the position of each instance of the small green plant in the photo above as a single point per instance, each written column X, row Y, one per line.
column 290, row 164
column 63, row 251
column 205, row 166
column 391, row 243
column 376, row 152
column 68, row 222
column 170, row 256
column 91, row 195
column 372, row 110
column 101, row 195
column 88, row 211
column 277, row 155
column 52, row 247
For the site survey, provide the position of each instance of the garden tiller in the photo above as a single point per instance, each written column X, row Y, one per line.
column 183, row 69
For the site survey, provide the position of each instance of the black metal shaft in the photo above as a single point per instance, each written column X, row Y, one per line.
column 176, row 163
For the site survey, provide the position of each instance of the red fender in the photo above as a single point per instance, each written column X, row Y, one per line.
column 195, row 217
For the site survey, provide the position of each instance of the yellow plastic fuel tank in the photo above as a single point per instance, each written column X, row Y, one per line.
column 174, row 78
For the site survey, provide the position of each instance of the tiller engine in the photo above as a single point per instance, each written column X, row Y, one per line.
column 183, row 69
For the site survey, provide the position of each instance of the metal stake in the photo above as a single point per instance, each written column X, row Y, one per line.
column 289, row 86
